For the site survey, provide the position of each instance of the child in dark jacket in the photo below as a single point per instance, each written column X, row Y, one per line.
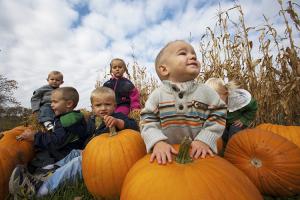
column 69, row 168
column 127, row 96
column 69, row 130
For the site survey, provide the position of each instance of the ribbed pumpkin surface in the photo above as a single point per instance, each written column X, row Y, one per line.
column 107, row 159
column 209, row 179
column 291, row 133
column 12, row 152
column 269, row 160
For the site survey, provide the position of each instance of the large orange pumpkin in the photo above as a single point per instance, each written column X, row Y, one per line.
column 269, row 160
column 292, row 133
column 7, row 164
column 107, row 159
column 211, row 178
column 220, row 144
column 12, row 152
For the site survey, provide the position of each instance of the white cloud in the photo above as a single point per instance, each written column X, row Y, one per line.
column 39, row 36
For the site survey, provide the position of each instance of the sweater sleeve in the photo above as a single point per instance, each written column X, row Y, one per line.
column 249, row 112
column 150, row 122
column 128, row 122
column 36, row 100
column 214, row 125
column 44, row 140
column 134, row 99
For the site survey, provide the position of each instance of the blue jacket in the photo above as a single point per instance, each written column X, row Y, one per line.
column 93, row 131
column 69, row 133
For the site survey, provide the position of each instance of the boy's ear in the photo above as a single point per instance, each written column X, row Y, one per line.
column 70, row 104
column 163, row 70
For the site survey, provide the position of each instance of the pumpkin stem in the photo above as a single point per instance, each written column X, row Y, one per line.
column 112, row 131
column 184, row 149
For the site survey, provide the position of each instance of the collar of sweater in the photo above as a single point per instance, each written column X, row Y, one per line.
column 184, row 87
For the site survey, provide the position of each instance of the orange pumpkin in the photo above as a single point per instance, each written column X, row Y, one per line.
column 23, row 151
column 7, row 164
column 211, row 178
column 12, row 152
column 220, row 144
column 291, row 133
column 269, row 160
column 106, row 160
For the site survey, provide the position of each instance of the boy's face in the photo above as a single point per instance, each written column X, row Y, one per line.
column 179, row 62
column 117, row 68
column 103, row 105
column 54, row 80
column 59, row 105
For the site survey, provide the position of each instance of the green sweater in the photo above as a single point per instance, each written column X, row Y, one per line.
column 246, row 114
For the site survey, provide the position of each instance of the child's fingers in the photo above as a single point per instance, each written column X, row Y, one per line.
column 158, row 158
column 204, row 153
column 193, row 152
column 152, row 157
column 164, row 158
column 211, row 153
column 169, row 156
column 174, row 151
column 197, row 154
column 19, row 137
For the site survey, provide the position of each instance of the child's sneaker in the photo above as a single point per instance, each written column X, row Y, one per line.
column 22, row 184
column 48, row 125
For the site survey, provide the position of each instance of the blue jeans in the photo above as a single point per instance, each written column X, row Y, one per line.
column 69, row 169
column 46, row 113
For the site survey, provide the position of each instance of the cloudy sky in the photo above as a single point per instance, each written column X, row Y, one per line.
column 80, row 37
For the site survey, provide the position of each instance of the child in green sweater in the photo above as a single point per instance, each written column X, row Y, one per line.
column 242, row 107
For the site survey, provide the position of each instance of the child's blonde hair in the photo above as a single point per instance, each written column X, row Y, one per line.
column 56, row 73
column 100, row 91
column 123, row 62
column 220, row 86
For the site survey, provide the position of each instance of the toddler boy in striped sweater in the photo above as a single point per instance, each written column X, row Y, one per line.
column 181, row 107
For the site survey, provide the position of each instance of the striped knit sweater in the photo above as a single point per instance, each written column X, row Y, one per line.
column 174, row 111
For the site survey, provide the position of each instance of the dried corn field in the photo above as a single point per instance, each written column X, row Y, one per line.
column 268, row 68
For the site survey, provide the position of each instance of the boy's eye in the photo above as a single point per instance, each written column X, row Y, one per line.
column 182, row 53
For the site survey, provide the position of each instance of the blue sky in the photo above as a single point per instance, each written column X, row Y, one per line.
column 79, row 38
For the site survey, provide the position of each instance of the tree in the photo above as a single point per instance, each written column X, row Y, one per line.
column 7, row 88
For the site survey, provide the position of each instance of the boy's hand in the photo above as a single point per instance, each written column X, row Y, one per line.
column 28, row 135
column 200, row 149
column 110, row 121
column 238, row 123
column 162, row 151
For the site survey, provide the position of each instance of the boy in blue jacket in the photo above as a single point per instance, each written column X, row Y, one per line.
column 69, row 168
column 69, row 132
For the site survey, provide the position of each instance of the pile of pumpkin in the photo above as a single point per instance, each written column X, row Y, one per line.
column 263, row 160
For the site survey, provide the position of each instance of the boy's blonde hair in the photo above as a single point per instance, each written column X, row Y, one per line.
column 159, row 57
column 100, row 91
column 220, row 86
column 56, row 73
column 68, row 93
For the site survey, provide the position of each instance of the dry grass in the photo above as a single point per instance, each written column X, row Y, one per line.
column 272, row 75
